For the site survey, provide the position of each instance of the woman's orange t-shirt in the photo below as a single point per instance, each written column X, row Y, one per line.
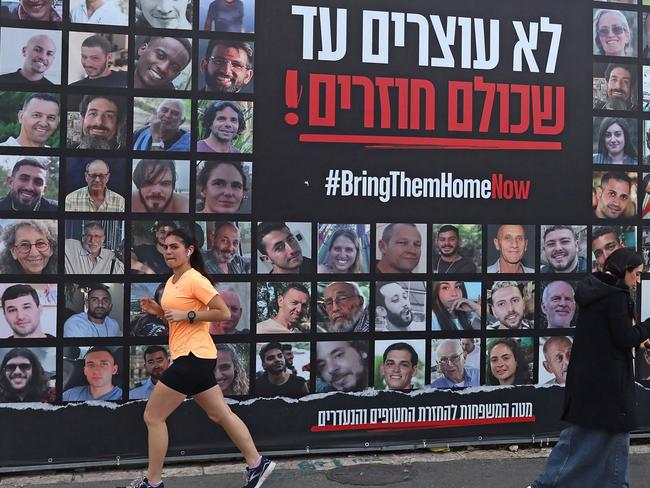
column 192, row 291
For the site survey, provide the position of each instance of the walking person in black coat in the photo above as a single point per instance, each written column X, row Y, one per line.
column 599, row 396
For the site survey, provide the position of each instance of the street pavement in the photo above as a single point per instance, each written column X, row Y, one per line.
column 496, row 467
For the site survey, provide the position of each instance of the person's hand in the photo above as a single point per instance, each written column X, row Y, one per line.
column 149, row 305
column 645, row 344
column 154, row 126
column 175, row 315
column 464, row 305
column 139, row 265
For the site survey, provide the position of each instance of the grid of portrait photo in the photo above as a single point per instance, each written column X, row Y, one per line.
column 315, row 307
column 123, row 121
column 621, row 137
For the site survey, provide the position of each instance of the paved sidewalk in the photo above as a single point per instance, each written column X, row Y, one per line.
column 461, row 468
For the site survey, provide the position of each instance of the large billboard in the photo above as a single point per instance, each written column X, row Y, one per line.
column 396, row 203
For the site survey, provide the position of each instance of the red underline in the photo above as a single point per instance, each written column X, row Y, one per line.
column 435, row 424
column 410, row 142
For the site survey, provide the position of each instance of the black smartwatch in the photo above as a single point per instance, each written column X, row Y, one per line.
column 191, row 315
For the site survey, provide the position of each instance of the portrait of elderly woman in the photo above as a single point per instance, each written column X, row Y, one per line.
column 28, row 247
column 612, row 33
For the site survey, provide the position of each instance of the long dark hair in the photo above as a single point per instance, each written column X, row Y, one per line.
column 442, row 314
column 36, row 389
column 628, row 147
column 522, row 375
column 196, row 260
column 618, row 264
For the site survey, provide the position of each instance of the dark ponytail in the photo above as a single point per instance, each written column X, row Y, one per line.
column 196, row 260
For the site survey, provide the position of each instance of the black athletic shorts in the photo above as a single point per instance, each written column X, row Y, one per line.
column 190, row 375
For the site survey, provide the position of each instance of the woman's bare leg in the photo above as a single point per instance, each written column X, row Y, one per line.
column 162, row 402
column 213, row 403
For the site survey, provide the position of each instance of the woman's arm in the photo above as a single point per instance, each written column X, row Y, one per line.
column 621, row 330
column 218, row 311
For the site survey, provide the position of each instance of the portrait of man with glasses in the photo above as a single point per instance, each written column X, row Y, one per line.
column 95, row 196
column 343, row 307
column 226, row 66
column 91, row 254
column 450, row 368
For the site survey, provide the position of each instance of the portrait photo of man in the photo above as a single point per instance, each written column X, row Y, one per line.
column 564, row 249
column 607, row 239
column 226, row 126
column 283, row 308
column 236, row 296
column 96, row 193
column 163, row 63
column 511, row 305
column 99, row 12
column 400, row 306
column 226, row 249
column 614, row 86
column 99, row 315
column 28, row 182
column 96, row 122
column 555, row 355
column 147, row 248
column 341, row 366
column 226, row 66
column 155, row 359
column 400, row 365
column 401, row 248
column 275, row 377
column 99, row 60
column 160, row 186
column 457, row 248
column 37, row 116
column 614, row 194
column 93, row 247
column 343, row 306
column 449, row 368
column 100, row 370
column 161, row 125
column 509, row 252
column 32, row 11
column 28, row 375
column 164, row 14
column 284, row 248
column 28, row 310
column 558, row 305
column 37, row 62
